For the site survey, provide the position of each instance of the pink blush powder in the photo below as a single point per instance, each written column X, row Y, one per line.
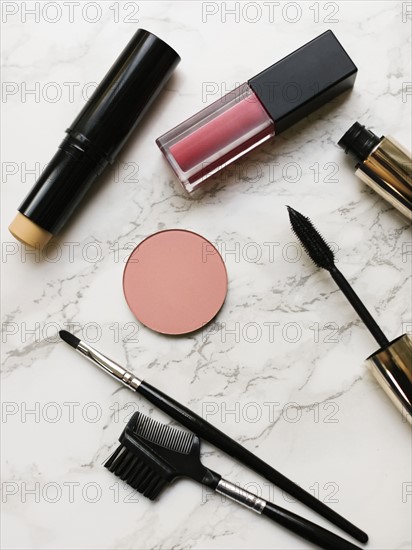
column 175, row 282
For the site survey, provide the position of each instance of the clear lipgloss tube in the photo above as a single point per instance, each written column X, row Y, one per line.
column 216, row 136
column 265, row 105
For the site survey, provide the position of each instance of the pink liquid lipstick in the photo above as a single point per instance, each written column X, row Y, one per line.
column 266, row 105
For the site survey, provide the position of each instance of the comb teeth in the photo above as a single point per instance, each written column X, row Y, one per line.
column 162, row 435
column 135, row 472
column 143, row 467
column 312, row 241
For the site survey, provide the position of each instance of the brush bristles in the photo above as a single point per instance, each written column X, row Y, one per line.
column 162, row 435
column 312, row 241
column 135, row 472
column 69, row 338
column 138, row 464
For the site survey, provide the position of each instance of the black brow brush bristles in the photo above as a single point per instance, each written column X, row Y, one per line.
column 322, row 255
column 152, row 455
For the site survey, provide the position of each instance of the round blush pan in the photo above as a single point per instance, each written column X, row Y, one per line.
column 175, row 281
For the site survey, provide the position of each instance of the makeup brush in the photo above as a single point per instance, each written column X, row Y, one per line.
column 208, row 432
column 392, row 363
column 152, row 455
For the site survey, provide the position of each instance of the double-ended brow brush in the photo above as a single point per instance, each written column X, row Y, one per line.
column 152, row 455
column 392, row 362
column 208, row 432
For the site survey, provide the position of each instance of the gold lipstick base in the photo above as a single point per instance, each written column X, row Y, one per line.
column 29, row 233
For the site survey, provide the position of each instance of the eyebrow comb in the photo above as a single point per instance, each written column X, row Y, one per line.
column 210, row 433
column 152, row 455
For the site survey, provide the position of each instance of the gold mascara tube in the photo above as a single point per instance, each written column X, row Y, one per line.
column 384, row 165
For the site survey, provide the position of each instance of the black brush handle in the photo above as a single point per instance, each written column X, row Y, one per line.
column 358, row 306
column 306, row 529
column 204, row 429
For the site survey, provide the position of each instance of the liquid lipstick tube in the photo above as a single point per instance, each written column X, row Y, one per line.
column 262, row 107
column 95, row 137
column 384, row 165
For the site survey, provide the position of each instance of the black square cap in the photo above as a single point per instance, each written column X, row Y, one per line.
column 306, row 79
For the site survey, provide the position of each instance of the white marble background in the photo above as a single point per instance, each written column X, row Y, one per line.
column 283, row 370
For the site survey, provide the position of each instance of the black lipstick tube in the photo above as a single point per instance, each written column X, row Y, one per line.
column 95, row 137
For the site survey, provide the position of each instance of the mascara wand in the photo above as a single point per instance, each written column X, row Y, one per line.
column 392, row 363
column 323, row 256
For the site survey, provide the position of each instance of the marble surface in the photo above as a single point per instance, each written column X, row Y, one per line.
column 281, row 370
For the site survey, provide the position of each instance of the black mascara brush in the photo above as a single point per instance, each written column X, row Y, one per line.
column 152, row 455
column 323, row 256
column 392, row 363
column 208, row 432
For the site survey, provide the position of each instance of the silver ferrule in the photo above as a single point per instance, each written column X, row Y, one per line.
column 234, row 492
column 110, row 367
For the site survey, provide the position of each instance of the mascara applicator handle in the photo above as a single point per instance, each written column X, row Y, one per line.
column 216, row 437
column 306, row 529
column 359, row 307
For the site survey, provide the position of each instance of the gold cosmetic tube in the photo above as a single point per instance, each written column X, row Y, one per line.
column 392, row 368
column 384, row 165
